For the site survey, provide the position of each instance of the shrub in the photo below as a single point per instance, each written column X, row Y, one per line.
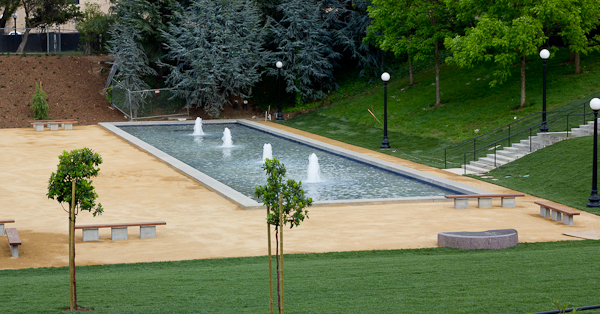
column 39, row 104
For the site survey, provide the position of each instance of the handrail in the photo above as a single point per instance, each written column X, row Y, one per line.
column 523, row 131
column 474, row 139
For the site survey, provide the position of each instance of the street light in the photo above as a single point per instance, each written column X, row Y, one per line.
column 279, row 64
column 594, row 199
column 15, row 15
column 385, row 143
column 245, row 104
column 544, row 54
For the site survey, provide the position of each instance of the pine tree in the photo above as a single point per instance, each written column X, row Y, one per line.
column 218, row 47
column 305, row 46
column 130, row 60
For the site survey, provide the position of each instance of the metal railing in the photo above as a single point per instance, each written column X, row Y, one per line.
column 146, row 104
column 514, row 132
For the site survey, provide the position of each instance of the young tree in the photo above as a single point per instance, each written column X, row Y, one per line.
column 218, row 47
column 505, row 33
column 305, row 46
column 130, row 60
column 39, row 103
column 286, row 203
column 417, row 27
column 45, row 13
column 71, row 184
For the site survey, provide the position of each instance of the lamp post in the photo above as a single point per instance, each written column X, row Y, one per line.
column 15, row 15
column 245, row 104
column 594, row 199
column 385, row 143
column 279, row 65
column 544, row 54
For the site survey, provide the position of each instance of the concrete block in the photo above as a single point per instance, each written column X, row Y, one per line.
column 2, row 229
column 54, row 127
column 118, row 233
column 147, row 232
column 567, row 220
column 484, row 202
column 556, row 216
column 68, row 126
column 14, row 250
column 544, row 211
column 461, row 203
column 39, row 127
column 509, row 202
column 90, row 234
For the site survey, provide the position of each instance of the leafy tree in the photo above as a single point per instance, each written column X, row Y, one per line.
column 71, row 184
column 305, row 46
column 417, row 27
column 46, row 13
column 8, row 8
column 218, row 47
column 505, row 33
column 286, row 203
column 573, row 20
column 130, row 60
column 39, row 103
column 93, row 24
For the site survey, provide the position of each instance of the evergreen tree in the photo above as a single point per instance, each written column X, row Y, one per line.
column 305, row 46
column 218, row 47
column 130, row 60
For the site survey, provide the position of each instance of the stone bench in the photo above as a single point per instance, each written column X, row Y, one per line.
column 119, row 230
column 490, row 239
column 484, row 200
column 13, row 241
column 5, row 221
column 67, row 124
column 556, row 212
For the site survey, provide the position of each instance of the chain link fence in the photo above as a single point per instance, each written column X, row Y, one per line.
column 146, row 104
column 40, row 40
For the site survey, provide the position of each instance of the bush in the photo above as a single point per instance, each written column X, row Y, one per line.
column 39, row 105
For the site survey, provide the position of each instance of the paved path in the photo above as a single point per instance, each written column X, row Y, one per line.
column 133, row 186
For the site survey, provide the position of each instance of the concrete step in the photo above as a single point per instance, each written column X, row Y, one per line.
column 492, row 162
column 482, row 165
column 500, row 157
column 577, row 132
column 511, row 152
column 524, row 147
column 475, row 169
column 517, row 150
column 535, row 145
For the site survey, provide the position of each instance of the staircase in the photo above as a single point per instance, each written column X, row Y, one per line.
column 518, row 150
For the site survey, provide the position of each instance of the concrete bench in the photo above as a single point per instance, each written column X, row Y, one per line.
column 556, row 212
column 484, row 200
column 119, row 230
column 5, row 221
column 13, row 241
column 67, row 124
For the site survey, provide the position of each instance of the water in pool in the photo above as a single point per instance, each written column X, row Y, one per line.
column 239, row 166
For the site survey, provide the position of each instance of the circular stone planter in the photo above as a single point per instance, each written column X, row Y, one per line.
column 491, row 239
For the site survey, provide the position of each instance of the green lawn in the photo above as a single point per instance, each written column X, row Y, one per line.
column 523, row 279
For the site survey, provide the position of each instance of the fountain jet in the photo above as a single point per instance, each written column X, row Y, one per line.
column 227, row 138
column 314, row 171
column 267, row 152
column 198, row 127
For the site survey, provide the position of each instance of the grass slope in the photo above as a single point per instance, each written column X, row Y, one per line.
column 561, row 172
column 420, row 132
column 522, row 279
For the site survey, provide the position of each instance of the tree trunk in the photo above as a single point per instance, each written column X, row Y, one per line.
column 438, row 98
column 577, row 63
column 270, row 268
column 410, row 71
column 24, row 41
column 572, row 57
column 277, row 266
column 281, row 243
column 523, row 65
column 73, row 299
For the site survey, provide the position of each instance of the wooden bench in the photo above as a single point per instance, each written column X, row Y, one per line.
column 67, row 124
column 119, row 230
column 555, row 212
column 484, row 200
column 2, row 222
column 13, row 241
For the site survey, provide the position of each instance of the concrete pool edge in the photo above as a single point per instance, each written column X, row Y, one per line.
column 247, row 203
